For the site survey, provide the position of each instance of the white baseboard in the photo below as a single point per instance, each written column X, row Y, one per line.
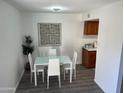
column 18, row 81
column 7, row 90
column 98, row 84
column 11, row 90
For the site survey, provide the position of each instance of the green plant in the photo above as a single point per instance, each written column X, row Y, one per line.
column 27, row 45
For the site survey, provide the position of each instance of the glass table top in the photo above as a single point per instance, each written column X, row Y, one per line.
column 45, row 60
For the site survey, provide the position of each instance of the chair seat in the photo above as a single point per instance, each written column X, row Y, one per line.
column 39, row 69
column 67, row 67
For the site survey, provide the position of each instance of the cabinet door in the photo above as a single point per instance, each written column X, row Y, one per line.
column 85, row 58
column 91, row 27
column 88, row 58
column 92, row 60
column 95, row 27
column 86, row 28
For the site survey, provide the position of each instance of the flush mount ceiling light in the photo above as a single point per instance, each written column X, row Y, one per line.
column 56, row 9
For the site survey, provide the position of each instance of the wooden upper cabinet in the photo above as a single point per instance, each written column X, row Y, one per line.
column 91, row 27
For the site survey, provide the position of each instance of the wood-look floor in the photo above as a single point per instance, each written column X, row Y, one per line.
column 83, row 84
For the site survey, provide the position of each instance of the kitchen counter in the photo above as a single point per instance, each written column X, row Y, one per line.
column 91, row 49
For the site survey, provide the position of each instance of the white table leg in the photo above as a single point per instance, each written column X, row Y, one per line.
column 35, row 76
column 71, row 71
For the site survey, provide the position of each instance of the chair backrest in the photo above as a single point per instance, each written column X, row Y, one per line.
column 42, row 51
column 52, row 52
column 74, row 59
column 30, row 61
column 53, row 67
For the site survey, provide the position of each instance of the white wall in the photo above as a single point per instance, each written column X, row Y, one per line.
column 11, row 59
column 109, row 42
column 71, row 28
column 72, row 31
column 109, row 45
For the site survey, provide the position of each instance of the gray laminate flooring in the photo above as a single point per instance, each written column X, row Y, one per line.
column 83, row 84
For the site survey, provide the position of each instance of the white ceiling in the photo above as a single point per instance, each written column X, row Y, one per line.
column 70, row 6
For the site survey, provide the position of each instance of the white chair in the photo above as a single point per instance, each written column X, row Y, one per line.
column 42, row 51
column 52, row 52
column 53, row 70
column 39, row 69
column 67, row 67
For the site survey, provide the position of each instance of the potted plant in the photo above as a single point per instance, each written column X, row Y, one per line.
column 27, row 48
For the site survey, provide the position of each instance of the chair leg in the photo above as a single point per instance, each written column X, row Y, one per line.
column 37, row 73
column 75, row 73
column 59, row 81
column 64, row 74
column 47, row 82
column 31, row 77
column 43, row 76
column 66, row 71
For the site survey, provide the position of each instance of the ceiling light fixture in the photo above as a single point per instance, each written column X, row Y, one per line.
column 56, row 9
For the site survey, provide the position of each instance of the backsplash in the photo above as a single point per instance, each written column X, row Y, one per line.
column 88, row 45
column 91, row 45
column 89, row 41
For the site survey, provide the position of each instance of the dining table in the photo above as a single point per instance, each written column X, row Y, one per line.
column 44, row 60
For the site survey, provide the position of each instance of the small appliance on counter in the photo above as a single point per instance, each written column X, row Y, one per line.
column 89, row 45
column 95, row 44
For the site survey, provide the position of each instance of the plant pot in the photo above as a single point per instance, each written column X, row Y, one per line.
column 27, row 66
